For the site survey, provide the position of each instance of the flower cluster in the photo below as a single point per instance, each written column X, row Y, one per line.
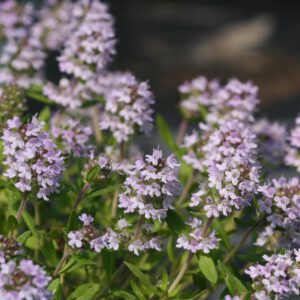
column 90, row 48
column 72, row 135
column 56, row 16
column 198, row 239
column 32, row 158
column 235, row 100
column 151, row 186
column 229, row 156
column 278, row 278
column 196, row 94
column 127, row 108
column 68, row 93
column 280, row 202
column 22, row 53
column 271, row 141
column 293, row 155
column 9, row 248
column 89, row 237
column 23, row 280
column 14, row 18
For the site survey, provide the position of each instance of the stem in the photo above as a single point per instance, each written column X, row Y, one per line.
column 97, row 132
column 62, row 261
column 81, row 195
column 244, row 238
column 181, row 273
column 22, row 206
column 186, row 189
column 181, row 131
column 37, row 222
column 114, row 206
column 189, row 258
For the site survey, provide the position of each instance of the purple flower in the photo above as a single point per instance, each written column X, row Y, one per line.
column 127, row 105
column 86, row 219
column 73, row 136
column 90, row 48
column 32, row 286
column 272, row 144
column 277, row 278
column 197, row 241
column 151, row 186
column 32, row 159
column 75, row 239
column 228, row 154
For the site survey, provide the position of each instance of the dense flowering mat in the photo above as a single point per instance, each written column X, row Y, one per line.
column 85, row 214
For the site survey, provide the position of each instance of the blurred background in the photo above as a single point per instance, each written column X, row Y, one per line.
column 168, row 42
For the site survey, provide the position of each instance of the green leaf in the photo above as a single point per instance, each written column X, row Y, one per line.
column 76, row 263
column 142, row 277
column 234, row 285
column 164, row 281
column 48, row 251
column 40, row 98
column 124, row 295
column 72, row 221
column 29, row 221
column 166, row 135
column 208, row 268
column 104, row 191
column 54, row 284
column 93, row 174
column 86, row 291
column 175, row 222
column 222, row 233
column 45, row 114
column 109, row 262
column 23, row 237
column 138, row 292
column 12, row 223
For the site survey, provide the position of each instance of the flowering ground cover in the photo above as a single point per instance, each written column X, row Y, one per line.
column 86, row 214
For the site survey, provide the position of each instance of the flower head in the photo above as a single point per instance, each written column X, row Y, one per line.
column 23, row 280
column 32, row 159
column 151, row 186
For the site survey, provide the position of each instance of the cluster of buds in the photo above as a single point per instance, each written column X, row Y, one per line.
column 9, row 248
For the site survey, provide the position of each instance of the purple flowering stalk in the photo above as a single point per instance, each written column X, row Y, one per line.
column 32, row 159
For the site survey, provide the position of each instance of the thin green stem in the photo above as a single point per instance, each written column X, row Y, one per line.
column 67, row 253
column 22, row 206
column 242, row 241
column 186, row 189
column 81, row 195
column 181, row 131
column 37, row 222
